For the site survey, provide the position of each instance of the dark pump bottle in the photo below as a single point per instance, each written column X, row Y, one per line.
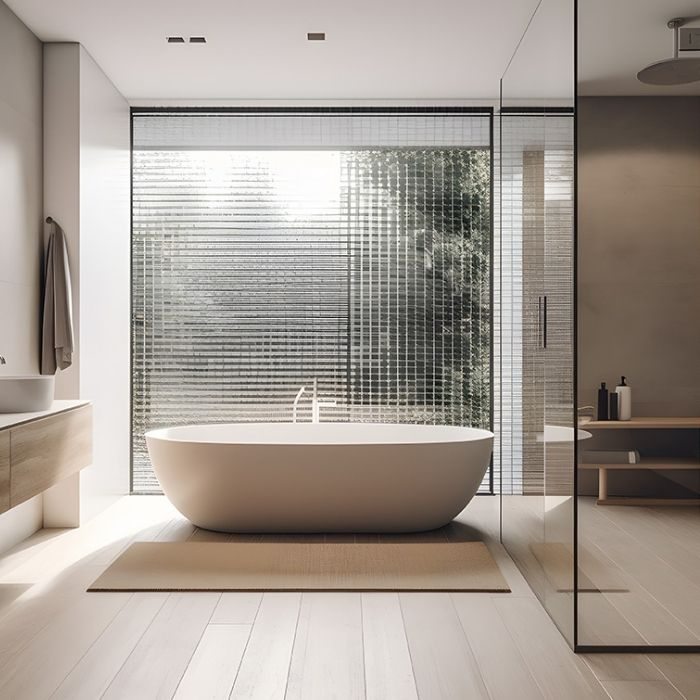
column 614, row 406
column 603, row 402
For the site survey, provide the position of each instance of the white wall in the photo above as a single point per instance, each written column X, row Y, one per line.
column 105, row 245
column 86, row 184
column 20, row 225
column 21, row 522
column 62, row 177
column 20, row 195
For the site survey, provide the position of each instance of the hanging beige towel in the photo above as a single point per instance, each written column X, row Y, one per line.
column 57, row 327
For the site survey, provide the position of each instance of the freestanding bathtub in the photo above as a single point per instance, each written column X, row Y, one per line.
column 319, row 477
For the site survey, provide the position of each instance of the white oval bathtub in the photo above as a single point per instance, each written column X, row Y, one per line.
column 319, row 477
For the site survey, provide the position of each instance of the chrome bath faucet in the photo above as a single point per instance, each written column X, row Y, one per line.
column 295, row 405
column 316, row 405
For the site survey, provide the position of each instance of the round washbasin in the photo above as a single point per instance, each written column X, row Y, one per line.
column 562, row 433
column 26, row 394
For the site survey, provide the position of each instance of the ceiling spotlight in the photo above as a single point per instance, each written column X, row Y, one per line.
column 316, row 36
column 198, row 40
column 176, row 40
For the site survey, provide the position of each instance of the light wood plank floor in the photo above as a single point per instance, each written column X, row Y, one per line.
column 646, row 559
column 655, row 553
column 57, row 641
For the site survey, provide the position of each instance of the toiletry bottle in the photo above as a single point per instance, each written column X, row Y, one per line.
column 602, row 402
column 624, row 394
column 614, row 403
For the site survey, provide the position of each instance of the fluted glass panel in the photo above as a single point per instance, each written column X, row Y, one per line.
column 535, row 259
column 258, row 270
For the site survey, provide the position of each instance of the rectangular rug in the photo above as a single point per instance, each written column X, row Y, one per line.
column 272, row 566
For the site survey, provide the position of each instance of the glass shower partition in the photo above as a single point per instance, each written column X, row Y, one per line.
column 536, row 277
column 638, row 490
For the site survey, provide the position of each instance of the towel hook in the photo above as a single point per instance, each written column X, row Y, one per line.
column 49, row 220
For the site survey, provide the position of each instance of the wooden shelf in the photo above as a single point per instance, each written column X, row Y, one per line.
column 644, row 423
column 658, row 464
column 631, row 501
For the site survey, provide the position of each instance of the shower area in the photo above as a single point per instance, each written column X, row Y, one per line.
column 609, row 546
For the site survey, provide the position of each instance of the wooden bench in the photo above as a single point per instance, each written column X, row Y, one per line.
column 655, row 464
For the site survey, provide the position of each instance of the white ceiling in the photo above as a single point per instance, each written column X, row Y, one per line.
column 375, row 49
column 543, row 63
column 257, row 49
column 617, row 38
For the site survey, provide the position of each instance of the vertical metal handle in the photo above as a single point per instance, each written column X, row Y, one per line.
column 542, row 321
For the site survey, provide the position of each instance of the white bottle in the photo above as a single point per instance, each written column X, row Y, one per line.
column 624, row 398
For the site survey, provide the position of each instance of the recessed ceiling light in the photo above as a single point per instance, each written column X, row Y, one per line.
column 176, row 40
column 316, row 36
column 198, row 40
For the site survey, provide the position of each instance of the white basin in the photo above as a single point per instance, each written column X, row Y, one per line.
column 26, row 394
column 561, row 433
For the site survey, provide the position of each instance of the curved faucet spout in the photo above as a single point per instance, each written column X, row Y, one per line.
column 300, row 393
column 316, row 404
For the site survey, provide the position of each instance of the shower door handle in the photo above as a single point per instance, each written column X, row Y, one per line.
column 542, row 321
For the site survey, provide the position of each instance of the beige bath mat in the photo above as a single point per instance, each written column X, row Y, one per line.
column 557, row 561
column 271, row 566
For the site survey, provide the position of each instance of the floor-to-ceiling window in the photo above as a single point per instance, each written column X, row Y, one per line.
column 350, row 250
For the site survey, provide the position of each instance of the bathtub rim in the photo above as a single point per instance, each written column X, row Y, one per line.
column 475, row 435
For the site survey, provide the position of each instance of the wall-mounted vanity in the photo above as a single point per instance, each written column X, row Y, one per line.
column 40, row 450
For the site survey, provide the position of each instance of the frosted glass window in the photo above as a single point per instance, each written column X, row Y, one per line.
column 270, row 251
